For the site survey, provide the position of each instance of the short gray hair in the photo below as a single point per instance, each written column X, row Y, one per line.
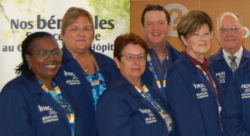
column 229, row 13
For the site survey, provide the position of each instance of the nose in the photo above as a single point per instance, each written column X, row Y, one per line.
column 229, row 32
column 81, row 32
column 136, row 61
column 51, row 57
column 202, row 37
column 155, row 26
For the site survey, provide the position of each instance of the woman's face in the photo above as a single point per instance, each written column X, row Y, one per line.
column 78, row 36
column 132, row 69
column 43, row 68
column 199, row 42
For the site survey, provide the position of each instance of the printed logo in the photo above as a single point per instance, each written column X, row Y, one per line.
column 221, row 76
column 53, row 116
column 74, row 80
column 203, row 93
column 151, row 117
column 246, row 93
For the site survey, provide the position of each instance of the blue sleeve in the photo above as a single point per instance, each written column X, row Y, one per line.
column 14, row 116
column 183, row 103
column 113, row 116
column 232, row 111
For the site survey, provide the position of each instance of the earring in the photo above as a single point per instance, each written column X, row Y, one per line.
column 119, row 67
column 29, row 67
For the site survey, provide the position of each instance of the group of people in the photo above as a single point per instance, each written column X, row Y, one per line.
column 148, row 89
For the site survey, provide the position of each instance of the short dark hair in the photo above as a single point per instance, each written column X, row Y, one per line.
column 155, row 7
column 123, row 40
column 193, row 20
column 23, row 68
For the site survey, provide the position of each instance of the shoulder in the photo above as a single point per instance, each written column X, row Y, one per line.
column 218, row 55
column 100, row 56
column 17, row 83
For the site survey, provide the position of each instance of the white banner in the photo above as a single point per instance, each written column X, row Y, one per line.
column 20, row 18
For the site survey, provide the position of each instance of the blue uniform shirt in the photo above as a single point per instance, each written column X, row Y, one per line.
column 27, row 110
column 236, row 111
column 122, row 111
column 193, row 100
column 222, row 69
column 148, row 77
column 81, row 90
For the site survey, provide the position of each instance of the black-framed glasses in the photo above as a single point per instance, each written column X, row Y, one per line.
column 232, row 29
column 131, row 57
column 44, row 54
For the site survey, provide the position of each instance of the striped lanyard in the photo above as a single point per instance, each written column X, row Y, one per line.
column 149, row 98
column 162, row 88
column 57, row 95
column 214, row 85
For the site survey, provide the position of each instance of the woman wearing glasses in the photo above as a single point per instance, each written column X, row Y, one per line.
column 193, row 91
column 86, row 73
column 36, row 103
column 129, row 107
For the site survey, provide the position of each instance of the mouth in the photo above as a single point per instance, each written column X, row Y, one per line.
column 156, row 34
column 136, row 69
column 51, row 67
column 230, row 39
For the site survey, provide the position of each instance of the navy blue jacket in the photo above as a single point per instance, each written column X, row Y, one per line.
column 236, row 111
column 72, row 74
column 222, row 69
column 28, row 110
column 192, row 99
column 148, row 76
column 122, row 111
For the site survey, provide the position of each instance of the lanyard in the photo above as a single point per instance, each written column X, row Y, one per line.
column 61, row 99
column 155, row 74
column 149, row 97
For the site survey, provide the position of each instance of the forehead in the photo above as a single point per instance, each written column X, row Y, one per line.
column 133, row 48
column 229, row 21
column 155, row 16
column 43, row 43
column 81, row 20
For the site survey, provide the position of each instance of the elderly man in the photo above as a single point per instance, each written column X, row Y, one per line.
column 232, row 54
column 155, row 27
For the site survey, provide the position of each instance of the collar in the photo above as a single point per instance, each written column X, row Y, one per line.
column 203, row 65
column 238, row 54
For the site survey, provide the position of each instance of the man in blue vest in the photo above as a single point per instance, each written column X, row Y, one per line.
column 232, row 54
column 155, row 27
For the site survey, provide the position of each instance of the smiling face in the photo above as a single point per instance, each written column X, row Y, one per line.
column 199, row 42
column 78, row 36
column 131, row 70
column 230, row 40
column 156, row 28
column 43, row 68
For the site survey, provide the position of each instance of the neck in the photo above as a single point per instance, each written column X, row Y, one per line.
column 232, row 51
column 47, row 83
column 81, row 56
column 198, row 57
column 160, row 51
column 136, row 82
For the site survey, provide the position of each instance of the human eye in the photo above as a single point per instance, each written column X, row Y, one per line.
column 223, row 29
column 43, row 53
column 57, row 52
column 195, row 34
column 207, row 33
column 142, row 57
column 149, row 23
column 88, row 28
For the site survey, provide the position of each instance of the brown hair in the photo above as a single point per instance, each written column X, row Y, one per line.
column 154, row 7
column 123, row 40
column 193, row 20
column 72, row 14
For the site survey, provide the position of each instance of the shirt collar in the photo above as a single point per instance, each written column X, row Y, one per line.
column 237, row 54
column 203, row 65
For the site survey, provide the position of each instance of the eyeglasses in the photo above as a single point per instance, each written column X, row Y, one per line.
column 131, row 57
column 44, row 54
column 232, row 29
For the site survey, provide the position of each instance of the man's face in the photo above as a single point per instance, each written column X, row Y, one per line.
column 230, row 33
column 156, row 28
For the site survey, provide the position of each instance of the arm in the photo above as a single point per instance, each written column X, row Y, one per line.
column 14, row 117
column 232, row 112
column 183, row 103
column 113, row 115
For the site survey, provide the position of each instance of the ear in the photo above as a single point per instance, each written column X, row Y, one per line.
column 217, row 33
column 169, row 27
column 143, row 30
column 28, row 59
column 183, row 40
column 117, row 62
